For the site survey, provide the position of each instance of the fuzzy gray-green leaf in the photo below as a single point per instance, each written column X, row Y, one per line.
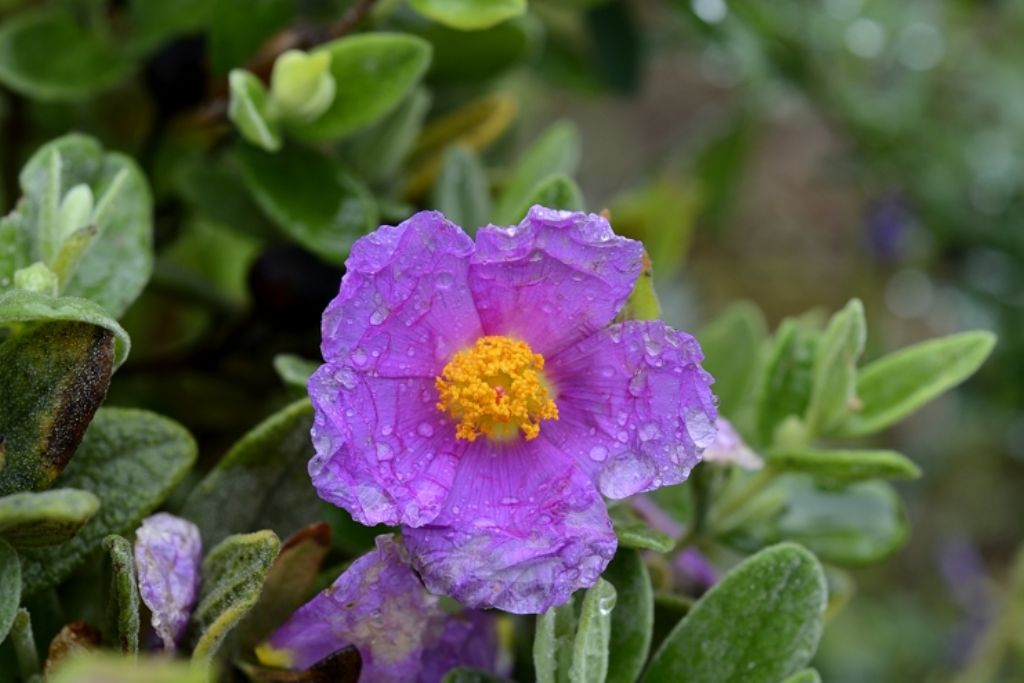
column 10, row 588
column 266, row 468
column 20, row 306
column 553, row 644
column 833, row 393
column 834, row 467
column 233, row 575
column 590, row 648
column 761, row 623
column 131, row 460
column 123, row 610
column 632, row 618
column 896, row 385
column 119, row 261
column 45, row 518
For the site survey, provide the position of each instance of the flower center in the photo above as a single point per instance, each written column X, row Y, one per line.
column 496, row 388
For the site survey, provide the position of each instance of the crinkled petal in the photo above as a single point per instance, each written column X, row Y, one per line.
column 635, row 406
column 404, row 307
column 383, row 450
column 729, row 448
column 378, row 605
column 168, row 551
column 554, row 279
column 523, row 527
column 469, row 638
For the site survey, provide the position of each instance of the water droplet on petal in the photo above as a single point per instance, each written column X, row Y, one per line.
column 598, row 453
column 625, row 476
column 649, row 431
column 443, row 280
column 425, row 429
column 379, row 315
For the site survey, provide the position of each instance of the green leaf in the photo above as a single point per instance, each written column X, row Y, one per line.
column 732, row 346
column 633, row 617
column 759, row 624
column 834, row 388
column 249, row 110
column 119, row 259
column 642, row 303
column 373, row 73
column 464, row 674
column 23, row 643
column 10, row 588
column 476, row 57
column 590, row 648
column 858, row 525
column 267, row 469
column 837, row 467
column 634, row 532
column 55, row 376
column 556, row 152
column 15, row 248
column 289, row 583
column 18, row 306
column 239, row 27
column 293, row 370
column 786, row 386
column 558, row 191
column 553, row 642
column 156, row 22
column 805, row 676
column 462, row 192
column 377, row 153
column 310, row 197
column 47, row 518
column 123, row 610
column 469, row 15
column 84, row 64
column 233, row 575
column 896, row 385
column 108, row 668
column 131, row 460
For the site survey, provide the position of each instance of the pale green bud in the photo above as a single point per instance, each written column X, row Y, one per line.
column 301, row 85
column 36, row 278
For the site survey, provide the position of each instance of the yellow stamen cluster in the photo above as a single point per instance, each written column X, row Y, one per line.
column 496, row 388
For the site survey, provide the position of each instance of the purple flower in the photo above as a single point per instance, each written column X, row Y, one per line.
column 469, row 638
column 477, row 395
column 379, row 605
column 168, row 551
column 728, row 448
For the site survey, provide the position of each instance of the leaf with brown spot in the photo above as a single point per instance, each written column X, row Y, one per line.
column 55, row 375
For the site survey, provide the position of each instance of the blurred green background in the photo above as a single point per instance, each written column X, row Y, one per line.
column 789, row 153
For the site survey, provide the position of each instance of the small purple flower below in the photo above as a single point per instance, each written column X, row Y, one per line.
column 379, row 605
column 480, row 396
column 168, row 551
